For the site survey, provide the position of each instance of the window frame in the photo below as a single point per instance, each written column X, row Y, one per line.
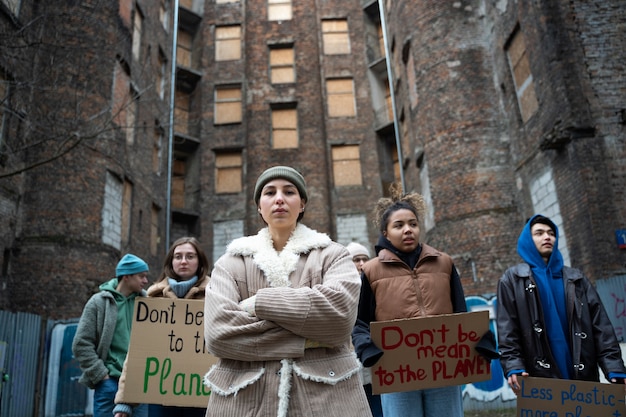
column 335, row 41
column 227, row 103
column 226, row 170
column 344, row 167
column 278, row 65
column 285, row 133
column 279, row 10
column 338, row 109
column 225, row 41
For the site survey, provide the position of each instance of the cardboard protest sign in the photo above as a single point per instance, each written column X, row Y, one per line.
column 167, row 358
column 548, row 397
column 429, row 352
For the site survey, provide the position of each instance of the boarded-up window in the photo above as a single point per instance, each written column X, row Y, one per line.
column 381, row 41
column 137, row 30
column 161, row 74
column 411, row 78
column 182, row 105
column 523, row 78
column 282, row 65
column 340, row 97
column 179, row 172
column 154, row 230
column 284, row 128
column 124, row 103
column 388, row 103
column 126, row 9
column 396, row 165
column 127, row 200
column 346, row 165
column 157, row 150
column 131, row 116
column 121, row 86
column 278, row 10
column 336, row 37
column 183, row 49
column 164, row 14
column 228, row 43
column 227, row 105
column 228, row 167
column 112, row 211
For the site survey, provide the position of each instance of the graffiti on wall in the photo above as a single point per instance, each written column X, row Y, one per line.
column 496, row 387
column 612, row 292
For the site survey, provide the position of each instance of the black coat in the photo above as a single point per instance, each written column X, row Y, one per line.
column 522, row 337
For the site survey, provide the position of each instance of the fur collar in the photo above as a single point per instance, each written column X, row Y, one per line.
column 278, row 266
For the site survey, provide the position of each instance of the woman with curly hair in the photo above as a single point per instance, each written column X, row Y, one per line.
column 407, row 279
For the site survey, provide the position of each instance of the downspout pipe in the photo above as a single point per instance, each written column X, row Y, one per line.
column 396, row 131
column 170, row 141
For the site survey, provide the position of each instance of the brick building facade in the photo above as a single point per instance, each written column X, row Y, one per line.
column 501, row 109
column 509, row 109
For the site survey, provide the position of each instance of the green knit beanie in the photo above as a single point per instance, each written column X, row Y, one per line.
column 284, row 172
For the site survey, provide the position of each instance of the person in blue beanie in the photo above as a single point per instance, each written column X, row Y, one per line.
column 551, row 321
column 103, row 334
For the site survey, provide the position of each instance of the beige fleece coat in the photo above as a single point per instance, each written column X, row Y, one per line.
column 308, row 291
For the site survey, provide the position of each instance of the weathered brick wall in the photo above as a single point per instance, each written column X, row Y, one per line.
column 573, row 53
column 316, row 132
column 599, row 33
column 457, row 121
column 57, row 257
column 457, row 103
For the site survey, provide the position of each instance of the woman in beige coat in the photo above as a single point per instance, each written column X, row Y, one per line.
column 279, row 311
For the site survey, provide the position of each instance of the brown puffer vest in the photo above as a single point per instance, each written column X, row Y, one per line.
column 402, row 292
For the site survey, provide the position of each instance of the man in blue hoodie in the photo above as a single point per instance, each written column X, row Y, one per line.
column 551, row 321
column 103, row 333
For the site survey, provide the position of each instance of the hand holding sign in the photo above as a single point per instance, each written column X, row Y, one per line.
column 167, row 357
column 429, row 352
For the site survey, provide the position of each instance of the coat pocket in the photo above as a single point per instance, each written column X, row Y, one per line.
column 328, row 370
column 228, row 381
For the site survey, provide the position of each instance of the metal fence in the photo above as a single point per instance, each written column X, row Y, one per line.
column 21, row 334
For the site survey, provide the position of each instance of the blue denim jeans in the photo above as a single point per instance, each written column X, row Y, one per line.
column 104, row 400
column 434, row 402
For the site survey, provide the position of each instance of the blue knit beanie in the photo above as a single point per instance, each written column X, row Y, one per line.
column 129, row 265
